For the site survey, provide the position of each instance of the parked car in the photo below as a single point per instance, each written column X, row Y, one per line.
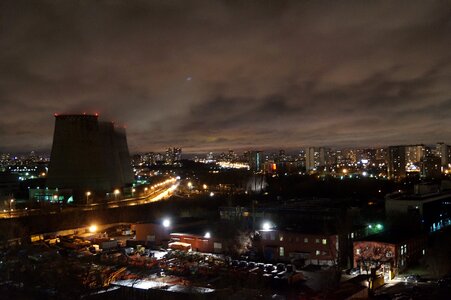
column 353, row 271
column 413, row 278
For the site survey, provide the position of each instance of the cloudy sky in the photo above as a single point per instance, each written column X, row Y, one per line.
column 214, row 75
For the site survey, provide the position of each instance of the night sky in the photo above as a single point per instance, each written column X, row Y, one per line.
column 214, row 75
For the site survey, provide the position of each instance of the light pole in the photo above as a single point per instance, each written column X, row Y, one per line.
column 10, row 207
column 88, row 193
column 116, row 193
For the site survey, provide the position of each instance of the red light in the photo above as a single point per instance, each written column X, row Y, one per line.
column 55, row 114
column 97, row 114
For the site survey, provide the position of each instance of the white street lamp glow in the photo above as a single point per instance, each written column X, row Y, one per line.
column 266, row 226
column 166, row 223
column 207, row 235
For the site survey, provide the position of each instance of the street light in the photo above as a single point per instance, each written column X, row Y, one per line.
column 88, row 193
column 10, row 206
column 207, row 235
column 266, row 226
column 116, row 193
column 166, row 223
column 205, row 186
column 93, row 228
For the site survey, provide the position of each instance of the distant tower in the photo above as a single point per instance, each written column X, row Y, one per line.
column 255, row 161
column 88, row 155
column 397, row 162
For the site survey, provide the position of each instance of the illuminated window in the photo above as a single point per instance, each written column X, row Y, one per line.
column 324, row 241
column 357, row 251
column 305, row 240
column 317, row 241
column 281, row 251
column 280, row 237
column 318, row 252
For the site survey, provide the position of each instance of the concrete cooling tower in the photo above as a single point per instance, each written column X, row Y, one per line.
column 88, row 155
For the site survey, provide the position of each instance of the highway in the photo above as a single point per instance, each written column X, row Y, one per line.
column 156, row 192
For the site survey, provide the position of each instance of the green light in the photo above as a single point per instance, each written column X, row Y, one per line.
column 379, row 226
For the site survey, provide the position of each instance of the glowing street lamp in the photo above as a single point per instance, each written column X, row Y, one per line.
column 266, row 225
column 207, row 235
column 10, row 206
column 92, row 228
column 116, row 193
column 166, row 223
column 88, row 193
column 205, row 186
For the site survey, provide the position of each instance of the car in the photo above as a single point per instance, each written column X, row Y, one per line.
column 413, row 278
column 444, row 282
column 269, row 268
column 242, row 264
column 353, row 271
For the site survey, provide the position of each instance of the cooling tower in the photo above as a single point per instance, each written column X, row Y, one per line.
column 88, row 155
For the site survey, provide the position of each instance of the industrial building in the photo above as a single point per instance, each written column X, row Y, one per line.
column 89, row 157
column 389, row 252
column 429, row 204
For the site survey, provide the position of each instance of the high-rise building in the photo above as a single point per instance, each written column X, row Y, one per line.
column 315, row 158
column 431, row 167
column 255, row 161
column 397, row 162
column 442, row 150
column 89, row 156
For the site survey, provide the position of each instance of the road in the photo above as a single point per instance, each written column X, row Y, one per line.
column 157, row 192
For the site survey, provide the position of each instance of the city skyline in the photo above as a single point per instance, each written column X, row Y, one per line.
column 210, row 76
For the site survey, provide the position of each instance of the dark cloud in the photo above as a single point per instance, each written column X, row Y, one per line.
column 228, row 74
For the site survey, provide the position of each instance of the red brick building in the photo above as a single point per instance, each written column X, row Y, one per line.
column 309, row 248
column 388, row 252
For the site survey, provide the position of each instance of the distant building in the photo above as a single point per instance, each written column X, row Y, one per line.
column 396, row 162
column 427, row 205
column 431, row 167
column 405, row 160
column 442, row 150
column 89, row 156
column 255, row 161
column 315, row 158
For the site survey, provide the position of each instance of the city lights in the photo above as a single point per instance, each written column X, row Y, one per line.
column 207, row 235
